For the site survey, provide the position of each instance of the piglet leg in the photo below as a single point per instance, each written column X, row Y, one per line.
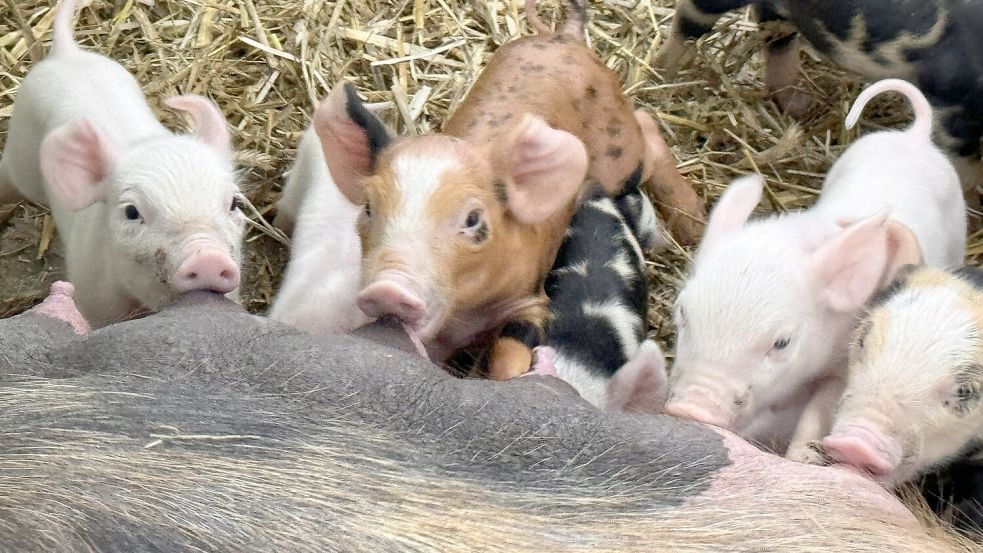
column 782, row 66
column 679, row 204
column 60, row 305
column 8, row 194
column 511, row 355
column 815, row 423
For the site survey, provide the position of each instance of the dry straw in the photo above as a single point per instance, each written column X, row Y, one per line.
column 267, row 63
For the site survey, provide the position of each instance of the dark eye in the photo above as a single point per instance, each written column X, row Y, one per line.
column 965, row 392
column 475, row 226
column 236, row 204
column 781, row 343
column 131, row 212
column 474, row 217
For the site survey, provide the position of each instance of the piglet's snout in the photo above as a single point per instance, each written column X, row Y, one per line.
column 864, row 447
column 392, row 293
column 206, row 267
column 699, row 406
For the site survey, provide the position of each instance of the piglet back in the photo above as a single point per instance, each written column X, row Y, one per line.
column 921, row 128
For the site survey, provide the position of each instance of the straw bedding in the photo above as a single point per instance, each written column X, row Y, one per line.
column 268, row 63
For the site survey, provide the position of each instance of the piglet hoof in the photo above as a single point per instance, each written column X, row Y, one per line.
column 794, row 103
column 809, row 453
column 545, row 363
column 59, row 305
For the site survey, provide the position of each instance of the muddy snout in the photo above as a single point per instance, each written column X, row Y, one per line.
column 392, row 294
column 206, row 265
column 864, row 447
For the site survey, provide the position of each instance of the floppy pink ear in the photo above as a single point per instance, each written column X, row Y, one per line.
column 734, row 207
column 351, row 138
column 544, row 168
column 212, row 127
column 641, row 384
column 903, row 249
column 851, row 266
column 75, row 159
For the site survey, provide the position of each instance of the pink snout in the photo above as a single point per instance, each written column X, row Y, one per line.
column 864, row 447
column 391, row 294
column 207, row 269
column 698, row 408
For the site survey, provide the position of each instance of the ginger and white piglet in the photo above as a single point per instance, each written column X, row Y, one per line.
column 461, row 227
column 145, row 215
column 914, row 396
column 765, row 316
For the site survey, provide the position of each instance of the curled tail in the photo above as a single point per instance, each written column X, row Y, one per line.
column 64, row 41
column 922, row 127
column 574, row 25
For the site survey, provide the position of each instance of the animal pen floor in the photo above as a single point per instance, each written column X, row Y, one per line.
column 268, row 63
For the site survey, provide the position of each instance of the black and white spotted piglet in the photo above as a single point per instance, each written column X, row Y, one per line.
column 598, row 293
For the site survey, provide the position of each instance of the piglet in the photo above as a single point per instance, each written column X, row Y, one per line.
column 598, row 292
column 321, row 281
column 765, row 315
column 914, row 394
column 462, row 227
column 145, row 214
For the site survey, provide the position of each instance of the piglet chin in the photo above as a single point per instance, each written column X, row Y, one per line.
column 865, row 448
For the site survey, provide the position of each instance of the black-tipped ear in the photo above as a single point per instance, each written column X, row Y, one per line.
column 375, row 131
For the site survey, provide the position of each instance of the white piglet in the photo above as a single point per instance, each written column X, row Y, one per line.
column 765, row 315
column 145, row 215
column 321, row 282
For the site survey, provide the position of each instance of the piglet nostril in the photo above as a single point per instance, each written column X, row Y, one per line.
column 209, row 269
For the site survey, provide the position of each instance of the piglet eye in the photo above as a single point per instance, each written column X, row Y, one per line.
column 965, row 392
column 131, row 212
column 475, row 226
column 781, row 343
column 474, row 218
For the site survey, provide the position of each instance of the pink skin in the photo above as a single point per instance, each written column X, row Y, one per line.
column 755, row 469
column 207, row 269
column 417, row 342
column 59, row 305
column 390, row 294
column 699, row 406
column 865, row 448
column 545, row 364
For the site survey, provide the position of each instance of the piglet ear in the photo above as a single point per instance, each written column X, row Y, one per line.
column 903, row 249
column 641, row 384
column 544, row 168
column 852, row 265
column 75, row 159
column 734, row 207
column 351, row 138
column 211, row 125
